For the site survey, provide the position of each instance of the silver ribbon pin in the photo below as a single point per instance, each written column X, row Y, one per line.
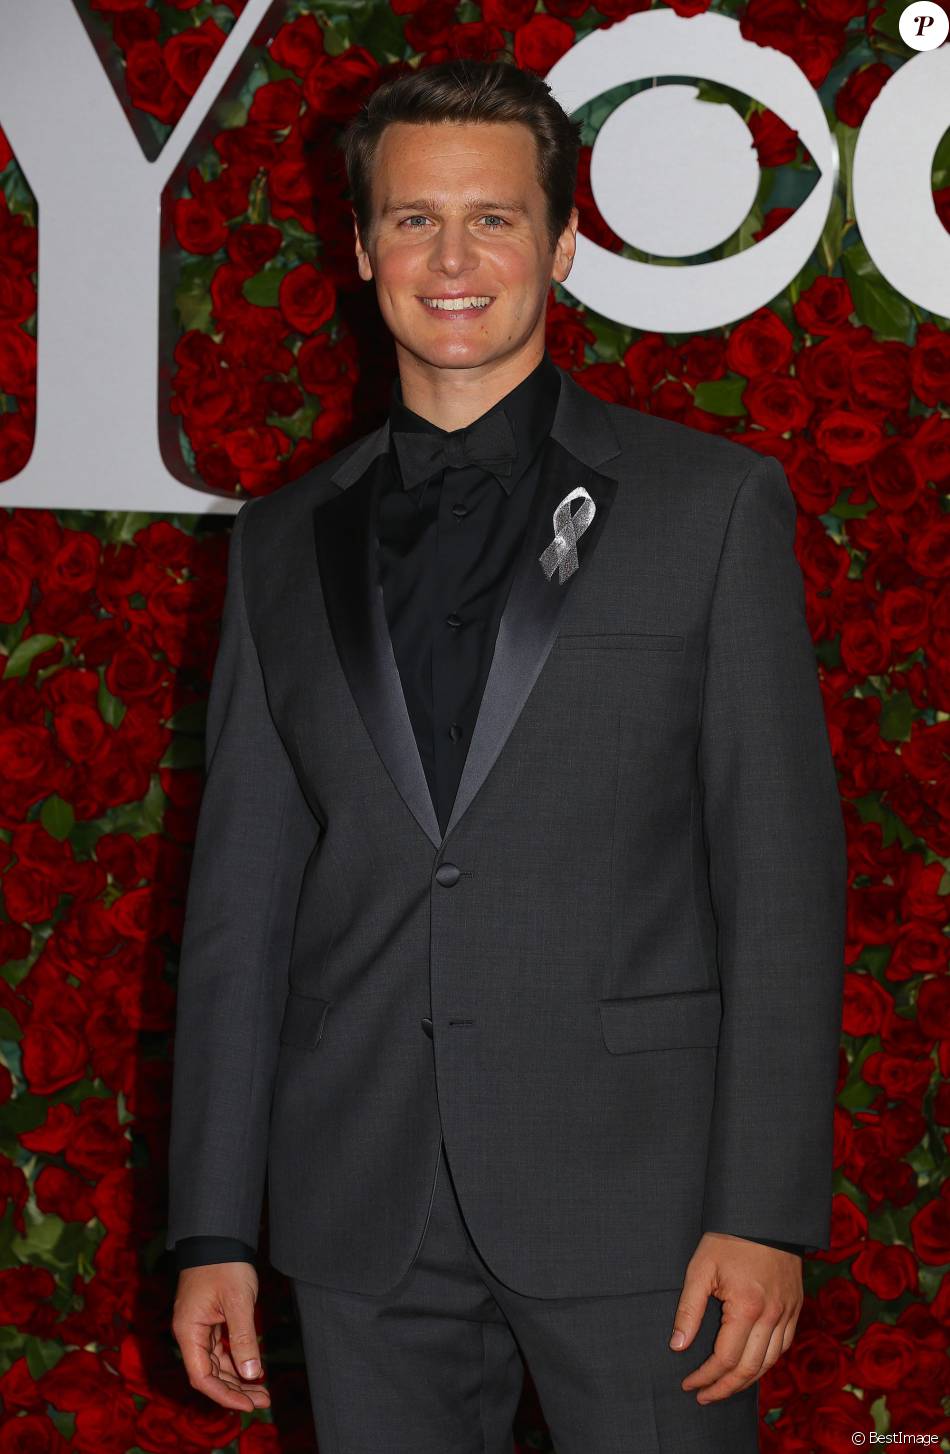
column 568, row 528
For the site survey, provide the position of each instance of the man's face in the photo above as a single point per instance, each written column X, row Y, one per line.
column 458, row 210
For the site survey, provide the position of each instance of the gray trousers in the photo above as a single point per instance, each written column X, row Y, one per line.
column 435, row 1366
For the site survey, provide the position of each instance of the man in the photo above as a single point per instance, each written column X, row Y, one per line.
column 513, row 946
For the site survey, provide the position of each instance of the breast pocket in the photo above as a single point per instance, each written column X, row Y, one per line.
column 620, row 641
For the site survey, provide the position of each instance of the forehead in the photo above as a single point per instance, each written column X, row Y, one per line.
column 448, row 159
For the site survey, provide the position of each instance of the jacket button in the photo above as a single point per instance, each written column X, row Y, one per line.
column 427, row 1026
column 448, row 874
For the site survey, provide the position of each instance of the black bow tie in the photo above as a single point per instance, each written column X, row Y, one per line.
column 489, row 443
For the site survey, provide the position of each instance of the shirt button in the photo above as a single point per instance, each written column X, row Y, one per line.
column 453, row 620
column 459, row 511
column 455, row 732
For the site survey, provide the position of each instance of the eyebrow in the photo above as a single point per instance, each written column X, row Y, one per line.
column 429, row 204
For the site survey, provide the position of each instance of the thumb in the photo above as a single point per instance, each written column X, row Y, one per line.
column 689, row 1313
column 242, row 1337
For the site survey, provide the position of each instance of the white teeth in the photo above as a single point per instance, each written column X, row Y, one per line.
column 452, row 305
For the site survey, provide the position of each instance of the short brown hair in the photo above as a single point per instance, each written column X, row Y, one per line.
column 463, row 89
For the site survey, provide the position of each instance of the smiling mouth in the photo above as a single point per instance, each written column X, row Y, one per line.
column 466, row 306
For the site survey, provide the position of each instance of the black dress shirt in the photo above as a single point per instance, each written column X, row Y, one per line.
column 446, row 549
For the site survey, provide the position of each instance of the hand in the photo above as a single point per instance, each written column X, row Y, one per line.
column 212, row 1300
column 761, row 1293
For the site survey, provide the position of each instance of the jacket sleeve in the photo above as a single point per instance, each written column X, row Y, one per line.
column 199, row 1251
column 254, row 835
column 777, row 862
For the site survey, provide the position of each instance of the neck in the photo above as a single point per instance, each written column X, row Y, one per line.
column 453, row 398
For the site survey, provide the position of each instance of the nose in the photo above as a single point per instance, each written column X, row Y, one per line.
column 453, row 249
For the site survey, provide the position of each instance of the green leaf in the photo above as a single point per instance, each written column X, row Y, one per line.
column 264, row 288
column 42, row 1236
column 121, row 526
column 18, row 663
column 24, row 1113
column 845, row 511
column 721, row 396
column 897, row 714
column 190, row 718
column 111, row 709
column 57, row 817
column 185, row 752
column 875, row 301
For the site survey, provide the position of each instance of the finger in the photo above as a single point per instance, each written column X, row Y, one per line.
column 227, row 1372
column 738, row 1320
column 199, row 1343
column 242, row 1336
column 689, row 1312
column 752, row 1359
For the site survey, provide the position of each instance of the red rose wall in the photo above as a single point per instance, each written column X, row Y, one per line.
column 276, row 357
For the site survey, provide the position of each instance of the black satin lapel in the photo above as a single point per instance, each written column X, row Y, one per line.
column 345, row 534
column 529, row 621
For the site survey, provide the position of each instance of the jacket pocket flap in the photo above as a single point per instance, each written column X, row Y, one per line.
column 661, row 1022
column 650, row 640
column 303, row 1020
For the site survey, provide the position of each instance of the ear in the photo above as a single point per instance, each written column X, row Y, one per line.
column 363, row 263
column 564, row 249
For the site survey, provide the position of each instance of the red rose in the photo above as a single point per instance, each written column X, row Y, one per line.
column 151, row 87
column 928, row 550
column 880, row 375
column 276, row 104
column 775, row 142
column 254, row 244
column 17, row 292
column 337, row 86
column 17, row 360
column 930, row 446
column 759, row 344
column 198, row 228
column 777, row 402
column 854, row 98
column 865, row 1004
column 933, row 1009
column 892, row 479
column 189, row 54
column 849, row 1228
column 541, row 42
column 307, row 299
column 135, row 25
column 826, row 305
column 930, row 365
column 701, row 358
column 509, row 14
column 54, row 1054
column 63, row 1194
column 470, row 39
column 838, row 1306
column 590, row 222
column 648, row 360
column 848, row 438
column 566, row 334
column 297, row 44
column 884, row 1357
column 608, row 381
column 817, row 1361
column 14, row 584
column 6, row 151
column 887, row 1272
column 22, row 1290
column 291, row 190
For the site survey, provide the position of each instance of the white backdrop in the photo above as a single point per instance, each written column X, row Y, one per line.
column 99, row 198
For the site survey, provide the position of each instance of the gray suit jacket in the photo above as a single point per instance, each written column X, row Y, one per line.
column 615, row 984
